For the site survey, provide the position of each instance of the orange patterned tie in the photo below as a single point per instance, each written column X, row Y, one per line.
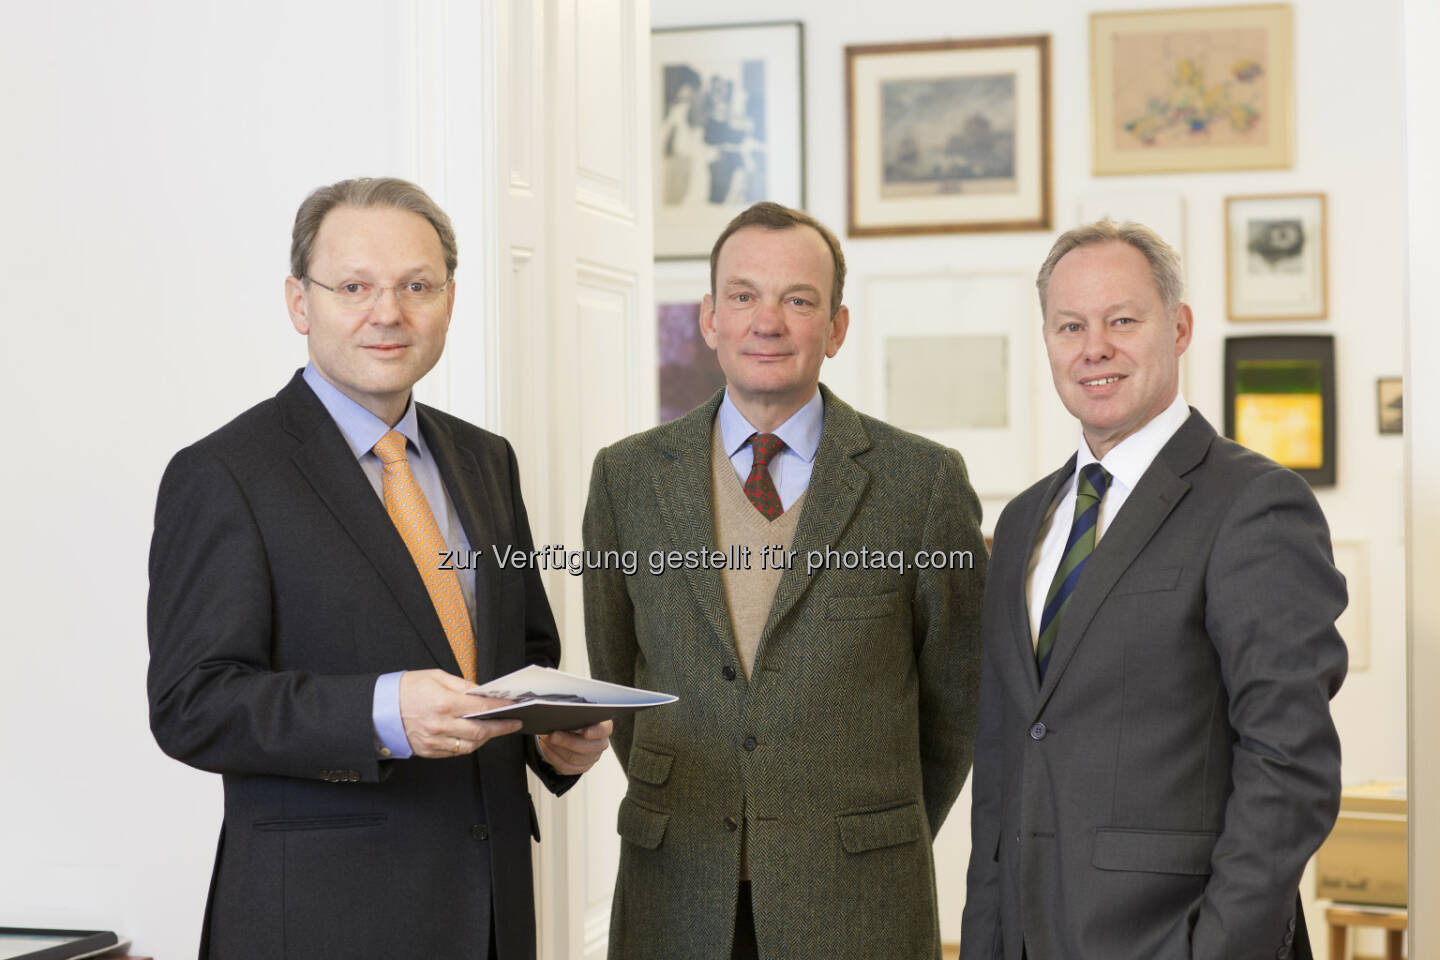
column 406, row 504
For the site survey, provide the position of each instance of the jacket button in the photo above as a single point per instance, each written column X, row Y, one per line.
column 728, row 673
column 750, row 743
column 479, row 832
column 731, row 824
column 1291, row 925
column 1037, row 731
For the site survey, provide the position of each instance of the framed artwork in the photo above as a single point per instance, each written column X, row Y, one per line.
column 689, row 372
column 1275, row 257
column 1204, row 88
column 730, row 128
column 1280, row 401
column 949, row 136
column 952, row 357
column 1390, row 404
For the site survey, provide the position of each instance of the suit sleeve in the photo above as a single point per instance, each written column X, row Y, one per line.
column 542, row 639
column 609, row 615
column 1273, row 595
column 947, row 609
column 216, row 700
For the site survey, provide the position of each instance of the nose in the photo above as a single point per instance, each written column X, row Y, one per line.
column 1097, row 346
column 386, row 308
column 767, row 318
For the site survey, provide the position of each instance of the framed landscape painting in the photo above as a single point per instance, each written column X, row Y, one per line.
column 1275, row 257
column 949, row 136
column 730, row 128
column 1205, row 88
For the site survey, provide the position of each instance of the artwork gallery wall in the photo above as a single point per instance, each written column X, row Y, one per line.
column 924, row 305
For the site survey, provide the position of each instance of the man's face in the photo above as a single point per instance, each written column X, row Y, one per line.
column 769, row 319
column 1114, row 352
column 375, row 352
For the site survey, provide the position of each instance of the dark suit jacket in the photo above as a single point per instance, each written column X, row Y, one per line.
column 279, row 591
column 1159, row 794
column 842, row 752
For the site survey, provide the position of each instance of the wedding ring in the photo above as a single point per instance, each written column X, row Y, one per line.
column 456, row 749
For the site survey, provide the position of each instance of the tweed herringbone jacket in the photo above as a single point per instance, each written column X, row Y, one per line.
column 841, row 754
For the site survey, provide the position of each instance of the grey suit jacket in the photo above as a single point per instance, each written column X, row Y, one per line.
column 279, row 591
column 1159, row 795
column 842, row 753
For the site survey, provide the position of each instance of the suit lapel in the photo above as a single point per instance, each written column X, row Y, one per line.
column 684, row 495
column 1159, row 491
column 461, row 476
column 837, row 484
column 327, row 462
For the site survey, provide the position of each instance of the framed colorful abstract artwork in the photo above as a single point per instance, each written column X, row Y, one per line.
column 1280, row 401
column 1205, row 88
column 949, row 136
column 729, row 107
column 1275, row 257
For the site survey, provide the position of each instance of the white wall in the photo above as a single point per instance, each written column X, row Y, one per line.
column 1349, row 78
column 154, row 155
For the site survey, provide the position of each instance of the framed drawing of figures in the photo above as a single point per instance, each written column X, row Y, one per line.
column 730, row 128
column 949, row 136
column 1275, row 257
column 1280, row 401
column 1205, row 88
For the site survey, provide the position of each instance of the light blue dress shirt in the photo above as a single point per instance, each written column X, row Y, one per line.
column 790, row 470
column 362, row 430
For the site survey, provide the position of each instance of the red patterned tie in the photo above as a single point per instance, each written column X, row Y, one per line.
column 759, row 487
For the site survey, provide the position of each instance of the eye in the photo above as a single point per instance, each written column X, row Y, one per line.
column 1118, row 321
column 1070, row 328
column 417, row 286
column 742, row 298
column 354, row 286
column 800, row 301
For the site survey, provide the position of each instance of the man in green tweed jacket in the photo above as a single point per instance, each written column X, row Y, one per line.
column 809, row 585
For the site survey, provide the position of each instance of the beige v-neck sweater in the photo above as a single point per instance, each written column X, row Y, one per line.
column 749, row 593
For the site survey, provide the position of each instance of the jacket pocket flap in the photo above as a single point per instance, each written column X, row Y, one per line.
column 342, row 821
column 881, row 828
column 1153, row 851
column 649, row 766
column 1147, row 580
column 641, row 825
column 867, row 607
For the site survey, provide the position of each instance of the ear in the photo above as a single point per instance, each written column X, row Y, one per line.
column 449, row 303
column 707, row 320
column 297, row 304
column 1184, row 328
column 839, row 326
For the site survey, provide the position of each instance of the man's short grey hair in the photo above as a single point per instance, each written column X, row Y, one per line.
column 1164, row 260
column 365, row 192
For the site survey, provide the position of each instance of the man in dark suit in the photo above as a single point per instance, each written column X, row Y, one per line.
column 313, row 641
column 826, row 668
column 1156, row 760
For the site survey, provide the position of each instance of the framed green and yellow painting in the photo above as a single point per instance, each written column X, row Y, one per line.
column 1280, row 401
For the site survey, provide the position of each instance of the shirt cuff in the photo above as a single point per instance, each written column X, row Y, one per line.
column 385, row 711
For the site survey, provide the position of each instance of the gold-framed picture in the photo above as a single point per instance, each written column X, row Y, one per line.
column 949, row 136
column 1203, row 88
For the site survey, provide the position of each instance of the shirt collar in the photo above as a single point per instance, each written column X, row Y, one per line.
column 361, row 428
column 801, row 432
column 1128, row 460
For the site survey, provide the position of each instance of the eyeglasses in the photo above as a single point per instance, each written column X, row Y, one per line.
column 357, row 294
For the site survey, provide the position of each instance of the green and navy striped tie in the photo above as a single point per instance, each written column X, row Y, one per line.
column 1093, row 483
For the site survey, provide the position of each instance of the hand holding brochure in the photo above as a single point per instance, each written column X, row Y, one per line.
column 547, row 699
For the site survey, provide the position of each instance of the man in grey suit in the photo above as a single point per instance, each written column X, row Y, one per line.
column 818, row 618
column 1156, row 761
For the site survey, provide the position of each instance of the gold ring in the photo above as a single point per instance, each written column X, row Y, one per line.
column 456, row 749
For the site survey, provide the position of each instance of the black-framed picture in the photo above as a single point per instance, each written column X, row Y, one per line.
column 729, row 107
column 1390, row 405
column 1280, row 401
column 949, row 136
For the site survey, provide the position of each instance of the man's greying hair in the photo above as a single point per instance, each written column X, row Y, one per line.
column 772, row 216
column 1164, row 261
column 365, row 192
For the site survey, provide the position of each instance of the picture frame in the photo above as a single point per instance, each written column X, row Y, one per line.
column 1280, row 401
column 1195, row 89
column 729, row 108
column 688, row 371
column 1275, row 257
column 949, row 136
column 1390, row 405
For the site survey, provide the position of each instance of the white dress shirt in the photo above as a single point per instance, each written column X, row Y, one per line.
column 1126, row 462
